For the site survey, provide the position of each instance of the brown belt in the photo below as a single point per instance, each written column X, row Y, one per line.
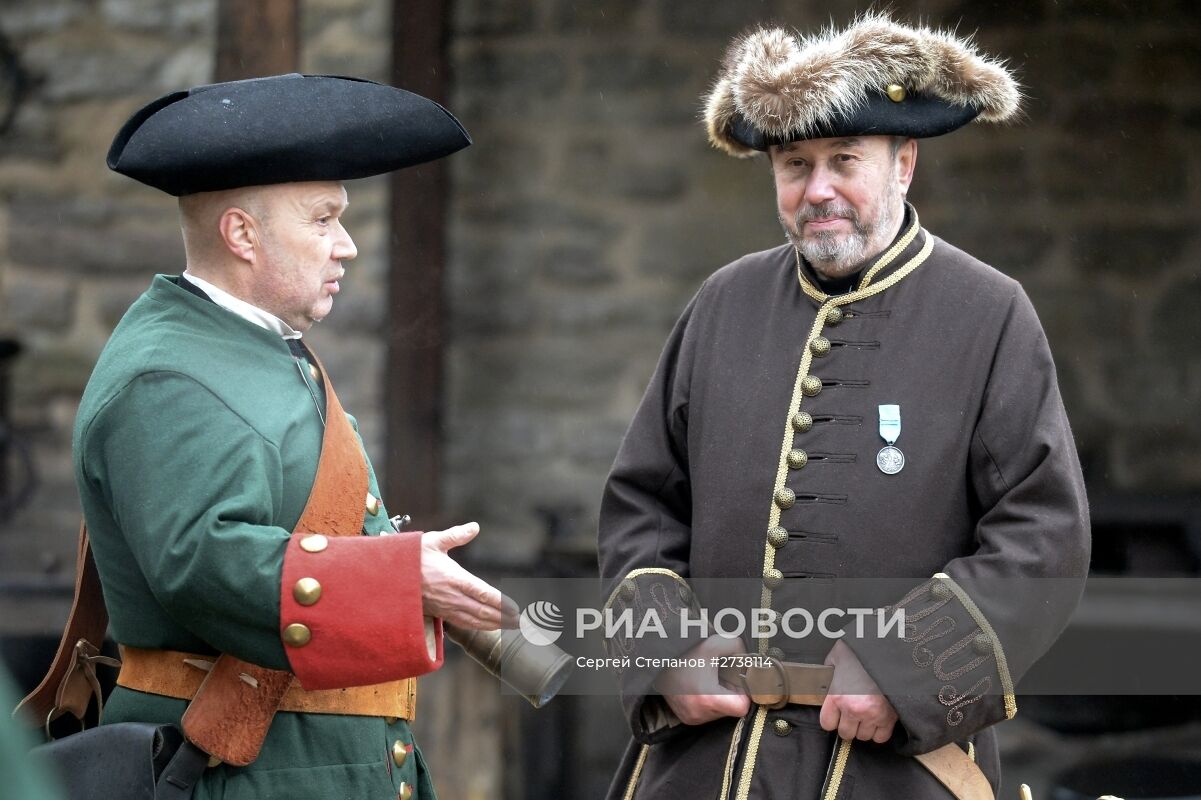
column 785, row 682
column 171, row 673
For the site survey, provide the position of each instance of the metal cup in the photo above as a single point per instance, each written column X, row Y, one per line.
column 536, row 672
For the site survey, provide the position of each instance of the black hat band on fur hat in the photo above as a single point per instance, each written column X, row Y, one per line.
column 877, row 77
column 281, row 129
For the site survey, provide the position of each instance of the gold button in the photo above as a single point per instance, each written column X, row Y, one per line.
column 214, row 762
column 834, row 315
column 982, row 644
column 627, row 590
column 811, row 386
column 802, row 422
column 940, row 591
column 372, row 504
column 777, row 537
column 406, row 791
column 797, row 458
column 819, row 346
column 316, row 373
column 896, row 92
column 314, row 544
column 297, row 635
column 773, row 578
column 782, row 727
column 399, row 754
column 306, row 591
column 784, row 497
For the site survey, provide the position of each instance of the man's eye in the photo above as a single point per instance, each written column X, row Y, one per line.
column 324, row 220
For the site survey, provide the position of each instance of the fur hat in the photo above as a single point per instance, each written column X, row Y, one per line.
column 281, row 129
column 877, row 77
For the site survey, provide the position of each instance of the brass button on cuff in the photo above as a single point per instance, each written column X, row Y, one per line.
column 781, row 727
column 811, row 386
column 785, row 497
column 819, row 346
column 372, row 504
column 896, row 92
column 307, row 591
column 834, row 315
column 314, row 544
column 982, row 644
column 400, row 754
column 777, row 537
column 797, row 459
column 297, row 635
column 773, row 578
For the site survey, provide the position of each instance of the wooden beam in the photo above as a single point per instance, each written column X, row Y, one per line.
column 257, row 38
column 416, row 334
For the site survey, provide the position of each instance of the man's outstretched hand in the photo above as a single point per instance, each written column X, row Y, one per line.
column 452, row 593
column 855, row 706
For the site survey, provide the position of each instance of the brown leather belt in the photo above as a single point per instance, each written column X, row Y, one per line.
column 172, row 673
column 781, row 683
column 787, row 682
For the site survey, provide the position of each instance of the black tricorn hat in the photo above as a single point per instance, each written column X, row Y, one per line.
column 281, row 129
column 877, row 77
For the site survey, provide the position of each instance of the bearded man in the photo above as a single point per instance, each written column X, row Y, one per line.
column 863, row 402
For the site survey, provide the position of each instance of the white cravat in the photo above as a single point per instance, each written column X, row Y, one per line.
column 243, row 309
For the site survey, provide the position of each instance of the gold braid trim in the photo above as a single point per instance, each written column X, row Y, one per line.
column 635, row 574
column 731, row 756
column 840, row 766
column 752, row 753
column 633, row 784
column 1011, row 703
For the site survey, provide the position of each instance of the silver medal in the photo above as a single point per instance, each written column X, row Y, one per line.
column 890, row 459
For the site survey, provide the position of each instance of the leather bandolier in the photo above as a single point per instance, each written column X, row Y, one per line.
column 232, row 701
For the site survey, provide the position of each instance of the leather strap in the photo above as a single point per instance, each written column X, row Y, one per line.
column 172, row 673
column 229, row 716
column 786, row 682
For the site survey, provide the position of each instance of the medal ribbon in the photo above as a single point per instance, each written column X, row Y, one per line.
column 890, row 423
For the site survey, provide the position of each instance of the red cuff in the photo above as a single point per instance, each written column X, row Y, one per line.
column 350, row 611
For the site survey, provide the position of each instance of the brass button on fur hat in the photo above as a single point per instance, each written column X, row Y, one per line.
column 775, row 86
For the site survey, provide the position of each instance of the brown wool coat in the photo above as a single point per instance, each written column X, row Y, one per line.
column 990, row 498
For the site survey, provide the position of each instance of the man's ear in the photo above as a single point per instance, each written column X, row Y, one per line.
column 239, row 233
column 906, row 162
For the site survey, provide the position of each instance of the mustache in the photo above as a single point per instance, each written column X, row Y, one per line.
column 825, row 211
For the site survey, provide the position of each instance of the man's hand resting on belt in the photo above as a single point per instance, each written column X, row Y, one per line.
column 694, row 693
column 855, row 706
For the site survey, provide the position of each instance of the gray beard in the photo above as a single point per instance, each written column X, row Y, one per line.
column 835, row 257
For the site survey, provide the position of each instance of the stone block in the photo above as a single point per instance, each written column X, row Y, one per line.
column 22, row 20
column 108, row 300
column 1171, row 65
column 577, row 264
column 494, row 82
column 1080, row 173
column 1137, row 253
column 83, row 66
column 1173, row 323
column 1039, row 53
column 648, row 169
column 719, row 20
column 501, row 162
column 1019, row 250
column 1156, row 459
column 36, row 301
column 638, row 69
column 598, row 17
column 157, row 16
column 496, row 17
column 84, row 235
column 1083, row 319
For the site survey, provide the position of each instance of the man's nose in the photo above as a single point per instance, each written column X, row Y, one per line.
column 344, row 249
column 819, row 188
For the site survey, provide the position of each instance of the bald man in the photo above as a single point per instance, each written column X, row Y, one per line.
column 212, row 456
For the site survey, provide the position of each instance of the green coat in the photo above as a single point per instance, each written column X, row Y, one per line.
column 195, row 448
